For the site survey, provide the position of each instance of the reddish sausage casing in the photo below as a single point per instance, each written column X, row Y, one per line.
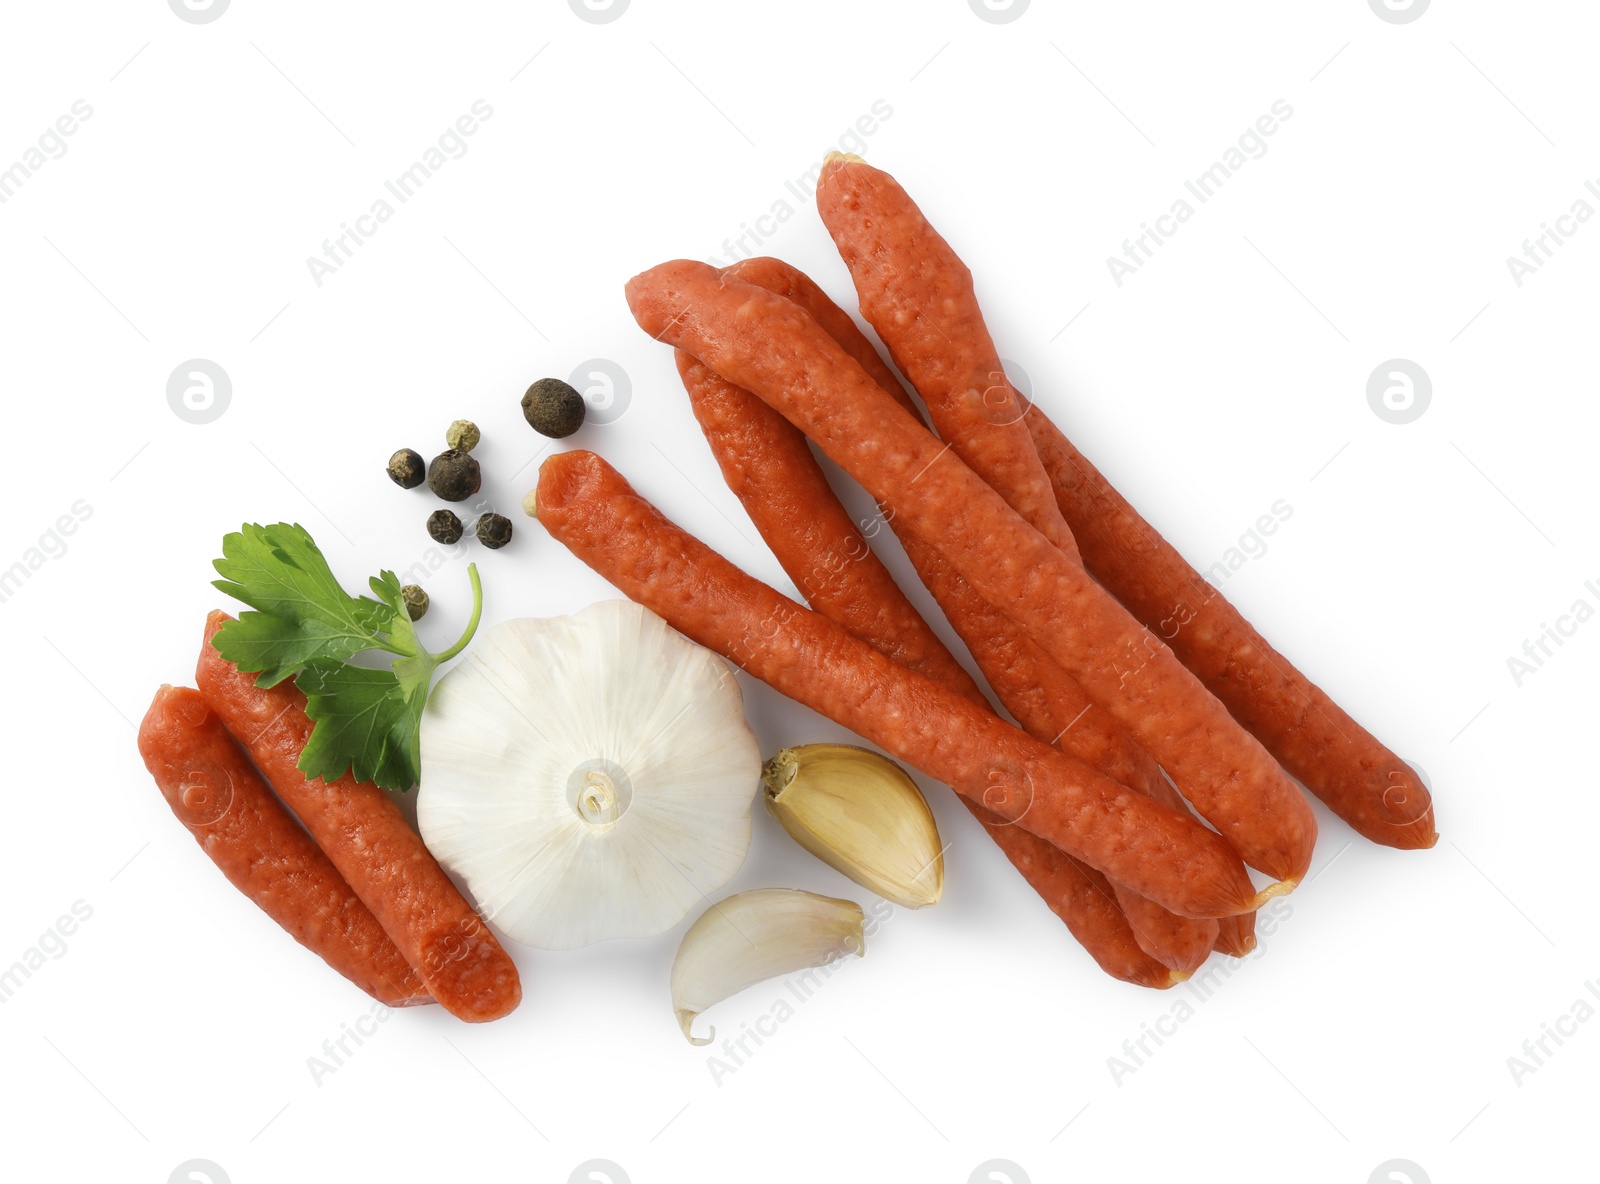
column 1045, row 700
column 364, row 834
column 1337, row 759
column 1167, row 856
column 771, row 347
column 918, row 295
column 769, row 466
column 999, row 647
column 218, row 795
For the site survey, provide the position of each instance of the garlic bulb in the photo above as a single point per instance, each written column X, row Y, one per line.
column 754, row 936
column 588, row 776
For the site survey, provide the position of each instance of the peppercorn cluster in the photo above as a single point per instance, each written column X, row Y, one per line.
column 552, row 407
column 453, row 476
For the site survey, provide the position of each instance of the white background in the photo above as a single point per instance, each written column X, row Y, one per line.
column 1228, row 373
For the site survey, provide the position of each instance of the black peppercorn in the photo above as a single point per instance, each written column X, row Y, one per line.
column 454, row 475
column 494, row 531
column 444, row 526
column 406, row 469
column 553, row 408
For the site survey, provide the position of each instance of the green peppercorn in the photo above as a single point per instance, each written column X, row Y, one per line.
column 444, row 526
column 553, row 408
column 415, row 600
column 494, row 531
column 406, row 469
column 454, row 475
column 462, row 435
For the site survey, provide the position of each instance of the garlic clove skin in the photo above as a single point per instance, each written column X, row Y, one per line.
column 862, row 815
column 589, row 776
column 755, row 936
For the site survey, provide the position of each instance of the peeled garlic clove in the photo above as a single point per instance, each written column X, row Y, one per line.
column 862, row 815
column 754, row 936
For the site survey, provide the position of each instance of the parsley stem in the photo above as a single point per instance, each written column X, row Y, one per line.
column 472, row 625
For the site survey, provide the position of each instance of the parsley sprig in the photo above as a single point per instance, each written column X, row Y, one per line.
column 307, row 627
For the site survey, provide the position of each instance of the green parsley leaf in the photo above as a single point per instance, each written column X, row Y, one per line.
column 302, row 616
column 366, row 724
column 366, row 718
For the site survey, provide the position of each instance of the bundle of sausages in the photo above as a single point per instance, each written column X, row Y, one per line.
column 355, row 885
column 1116, row 658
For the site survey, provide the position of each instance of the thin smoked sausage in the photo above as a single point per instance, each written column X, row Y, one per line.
column 768, row 465
column 255, row 842
column 1359, row 778
column 770, row 346
column 1165, row 855
column 915, row 291
column 368, row 840
column 1044, row 698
